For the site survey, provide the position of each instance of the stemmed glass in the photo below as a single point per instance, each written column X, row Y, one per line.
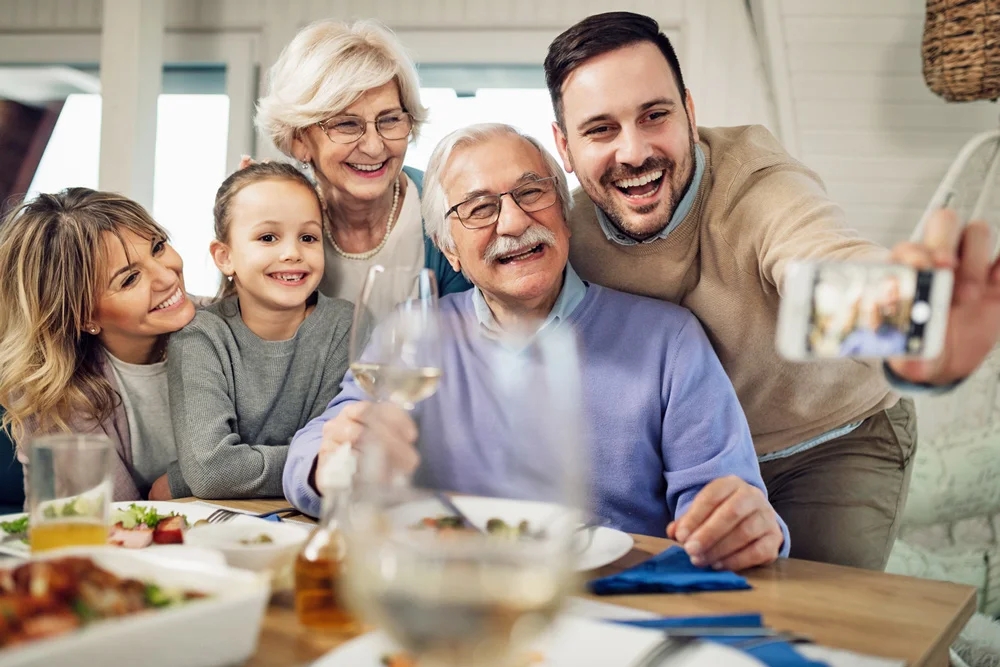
column 474, row 597
column 394, row 347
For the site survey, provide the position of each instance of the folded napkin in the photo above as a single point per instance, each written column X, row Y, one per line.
column 669, row 572
column 772, row 654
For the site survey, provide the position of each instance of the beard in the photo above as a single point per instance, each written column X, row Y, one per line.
column 630, row 219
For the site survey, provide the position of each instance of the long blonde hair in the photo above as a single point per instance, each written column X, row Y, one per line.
column 53, row 271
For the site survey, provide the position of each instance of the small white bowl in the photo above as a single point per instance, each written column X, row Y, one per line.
column 287, row 538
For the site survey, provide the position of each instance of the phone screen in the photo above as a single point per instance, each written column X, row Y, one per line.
column 868, row 310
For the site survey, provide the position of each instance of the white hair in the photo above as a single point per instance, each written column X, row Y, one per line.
column 325, row 68
column 434, row 202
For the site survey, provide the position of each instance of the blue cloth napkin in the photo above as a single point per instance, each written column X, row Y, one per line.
column 772, row 654
column 669, row 572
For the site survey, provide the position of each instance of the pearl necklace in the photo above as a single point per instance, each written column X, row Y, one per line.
column 374, row 251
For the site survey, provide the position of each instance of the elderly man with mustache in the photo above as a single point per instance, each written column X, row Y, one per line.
column 496, row 205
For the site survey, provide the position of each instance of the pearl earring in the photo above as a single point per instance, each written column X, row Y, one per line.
column 93, row 330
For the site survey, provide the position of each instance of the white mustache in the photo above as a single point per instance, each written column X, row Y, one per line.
column 502, row 246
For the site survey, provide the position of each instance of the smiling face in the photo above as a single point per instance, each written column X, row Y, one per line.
column 274, row 249
column 519, row 260
column 145, row 296
column 629, row 139
column 364, row 170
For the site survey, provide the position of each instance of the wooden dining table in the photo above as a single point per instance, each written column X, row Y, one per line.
column 873, row 613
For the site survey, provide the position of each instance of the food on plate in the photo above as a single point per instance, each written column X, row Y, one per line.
column 494, row 526
column 501, row 528
column 263, row 538
column 17, row 528
column 136, row 527
column 47, row 598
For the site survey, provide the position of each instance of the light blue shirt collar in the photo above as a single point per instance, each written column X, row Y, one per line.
column 683, row 208
column 572, row 293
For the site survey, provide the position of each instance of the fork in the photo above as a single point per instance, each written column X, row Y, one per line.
column 222, row 515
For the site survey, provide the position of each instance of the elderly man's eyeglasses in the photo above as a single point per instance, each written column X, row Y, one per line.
column 484, row 210
column 348, row 129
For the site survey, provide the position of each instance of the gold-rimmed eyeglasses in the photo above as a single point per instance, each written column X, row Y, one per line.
column 484, row 210
column 393, row 125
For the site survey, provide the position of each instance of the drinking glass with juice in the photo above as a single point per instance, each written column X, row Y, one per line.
column 69, row 495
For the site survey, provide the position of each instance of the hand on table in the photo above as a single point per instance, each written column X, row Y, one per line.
column 389, row 424
column 974, row 318
column 160, row 489
column 730, row 525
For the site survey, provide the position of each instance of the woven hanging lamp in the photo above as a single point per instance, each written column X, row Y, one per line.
column 961, row 49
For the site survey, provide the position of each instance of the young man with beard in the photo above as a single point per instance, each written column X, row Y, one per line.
column 709, row 218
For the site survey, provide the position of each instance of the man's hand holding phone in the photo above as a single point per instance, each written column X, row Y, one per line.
column 974, row 314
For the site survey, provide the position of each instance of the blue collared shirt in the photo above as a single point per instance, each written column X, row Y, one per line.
column 572, row 293
column 683, row 208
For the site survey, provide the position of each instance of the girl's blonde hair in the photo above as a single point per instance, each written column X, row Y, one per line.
column 53, row 272
column 254, row 173
column 325, row 68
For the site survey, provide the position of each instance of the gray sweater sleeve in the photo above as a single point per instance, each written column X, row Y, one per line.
column 213, row 461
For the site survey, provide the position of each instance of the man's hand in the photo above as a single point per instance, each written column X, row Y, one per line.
column 388, row 423
column 974, row 318
column 730, row 525
column 160, row 489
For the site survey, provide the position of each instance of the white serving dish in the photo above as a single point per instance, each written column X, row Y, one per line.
column 288, row 538
column 220, row 630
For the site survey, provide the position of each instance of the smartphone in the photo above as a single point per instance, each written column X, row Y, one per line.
column 836, row 309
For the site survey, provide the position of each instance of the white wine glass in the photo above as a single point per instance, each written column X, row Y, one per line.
column 470, row 597
column 394, row 347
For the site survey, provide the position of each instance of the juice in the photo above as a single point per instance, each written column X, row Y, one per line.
column 318, row 601
column 58, row 534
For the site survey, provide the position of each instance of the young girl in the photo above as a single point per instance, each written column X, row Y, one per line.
column 253, row 368
column 89, row 292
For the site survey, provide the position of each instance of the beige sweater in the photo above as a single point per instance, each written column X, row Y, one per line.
column 756, row 208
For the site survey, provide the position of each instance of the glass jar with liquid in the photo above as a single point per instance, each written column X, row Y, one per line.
column 319, row 567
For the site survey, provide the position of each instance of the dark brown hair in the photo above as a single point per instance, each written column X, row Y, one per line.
column 597, row 35
column 254, row 173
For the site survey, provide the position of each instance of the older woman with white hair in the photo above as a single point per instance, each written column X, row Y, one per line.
column 344, row 100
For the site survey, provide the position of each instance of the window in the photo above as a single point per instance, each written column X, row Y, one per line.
column 190, row 164
column 460, row 96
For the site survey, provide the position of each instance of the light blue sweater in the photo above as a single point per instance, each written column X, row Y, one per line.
column 662, row 416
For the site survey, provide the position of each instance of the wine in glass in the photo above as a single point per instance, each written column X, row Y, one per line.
column 394, row 346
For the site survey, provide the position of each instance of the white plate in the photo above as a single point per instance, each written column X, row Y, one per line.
column 607, row 545
column 572, row 642
column 194, row 511
column 220, row 630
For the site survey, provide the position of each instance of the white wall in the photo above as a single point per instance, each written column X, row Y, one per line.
column 713, row 37
column 864, row 118
column 847, row 73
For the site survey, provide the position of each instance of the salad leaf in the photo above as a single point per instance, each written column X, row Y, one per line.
column 133, row 515
column 16, row 526
column 83, row 611
column 163, row 597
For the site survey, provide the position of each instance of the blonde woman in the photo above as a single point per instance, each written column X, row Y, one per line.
column 89, row 291
column 344, row 100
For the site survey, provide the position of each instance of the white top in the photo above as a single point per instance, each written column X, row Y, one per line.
column 147, row 406
column 405, row 250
